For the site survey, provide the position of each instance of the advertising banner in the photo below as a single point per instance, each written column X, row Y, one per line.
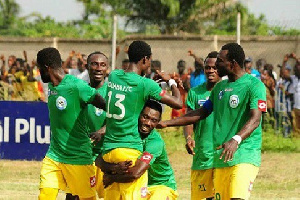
column 24, row 130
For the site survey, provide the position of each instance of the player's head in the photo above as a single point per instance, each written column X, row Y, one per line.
column 139, row 52
column 97, row 65
column 149, row 117
column 210, row 68
column 48, row 59
column 231, row 55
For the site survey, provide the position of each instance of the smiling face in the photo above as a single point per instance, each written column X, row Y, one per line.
column 211, row 71
column 97, row 66
column 148, row 120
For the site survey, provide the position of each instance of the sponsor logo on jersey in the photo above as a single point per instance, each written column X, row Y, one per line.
column 93, row 181
column 234, row 101
column 262, row 105
column 61, row 103
column 98, row 112
column 144, row 192
column 228, row 89
column 221, row 93
column 201, row 102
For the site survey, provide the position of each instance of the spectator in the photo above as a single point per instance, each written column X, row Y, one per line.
column 260, row 64
column 268, row 79
column 197, row 77
column 249, row 69
column 125, row 64
column 78, row 66
column 296, row 90
column 183, row 91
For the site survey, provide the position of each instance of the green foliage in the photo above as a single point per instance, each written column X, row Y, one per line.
column 277, row 143
column 9, row 10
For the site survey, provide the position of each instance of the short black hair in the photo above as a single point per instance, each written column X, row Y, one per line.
column 213, row 54
column 49, row 57
column 235, row 52
column 138, row 50
column 181, row 63
column 156, row 63
column 153, row 105
column 94, row 53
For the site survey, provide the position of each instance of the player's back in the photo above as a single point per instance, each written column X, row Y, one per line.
column 127, row 93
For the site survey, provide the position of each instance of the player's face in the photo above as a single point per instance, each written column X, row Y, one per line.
column 44, row 73
column 148, row 120
column 211, row 71
column 223, row 65
column 98, row 67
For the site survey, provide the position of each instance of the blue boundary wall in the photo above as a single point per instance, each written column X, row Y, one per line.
column 24, row 130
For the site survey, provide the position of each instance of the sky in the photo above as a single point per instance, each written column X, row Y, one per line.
column 277, row 12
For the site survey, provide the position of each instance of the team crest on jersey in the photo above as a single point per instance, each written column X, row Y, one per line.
column 98, row 112
column 234, row 101
column 61, row 103
column 221, row 93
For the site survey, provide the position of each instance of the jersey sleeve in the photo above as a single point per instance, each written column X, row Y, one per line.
column 189, row 102
column 155, row 148
column 258, row 97
column 86, row 93
column 152, row 90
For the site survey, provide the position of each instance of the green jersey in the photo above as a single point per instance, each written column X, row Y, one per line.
column 160, row 171
column 96, row 120
column 232, row 102
column 127, row 93
column 203, row 130
column 70, row 142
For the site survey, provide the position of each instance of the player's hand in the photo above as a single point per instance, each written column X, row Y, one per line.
column 190, row 145
column 161, row 76
column 230, row 148
column 161, row 125
column 72, row 53
column 107, row 180
column 190, row 52
column 96, row 136
column 179, row 82
column 122, row 167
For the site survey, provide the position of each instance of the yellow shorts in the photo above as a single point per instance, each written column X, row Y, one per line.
column 202, row 184
column 234, row 182
column 161, row 192
column 80, row 179
column 126, row 191
column 99, row 182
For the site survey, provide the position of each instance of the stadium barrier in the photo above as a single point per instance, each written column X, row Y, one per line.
column 24, row 130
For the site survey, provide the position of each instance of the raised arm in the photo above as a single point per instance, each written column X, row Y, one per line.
column 173, row 100
column 99, row 102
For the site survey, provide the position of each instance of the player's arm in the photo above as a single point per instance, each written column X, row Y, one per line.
column 173, row 100
column 188, row 132
column 99, row 102
column 189, row 118
column 112, row 168
column 133, row 173
column 231, row 146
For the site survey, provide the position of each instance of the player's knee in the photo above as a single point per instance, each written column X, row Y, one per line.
column 48, row 194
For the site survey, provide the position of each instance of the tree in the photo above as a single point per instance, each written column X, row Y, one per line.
column 9, row 10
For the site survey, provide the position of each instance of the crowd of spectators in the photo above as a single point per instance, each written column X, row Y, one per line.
column 21, row 81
